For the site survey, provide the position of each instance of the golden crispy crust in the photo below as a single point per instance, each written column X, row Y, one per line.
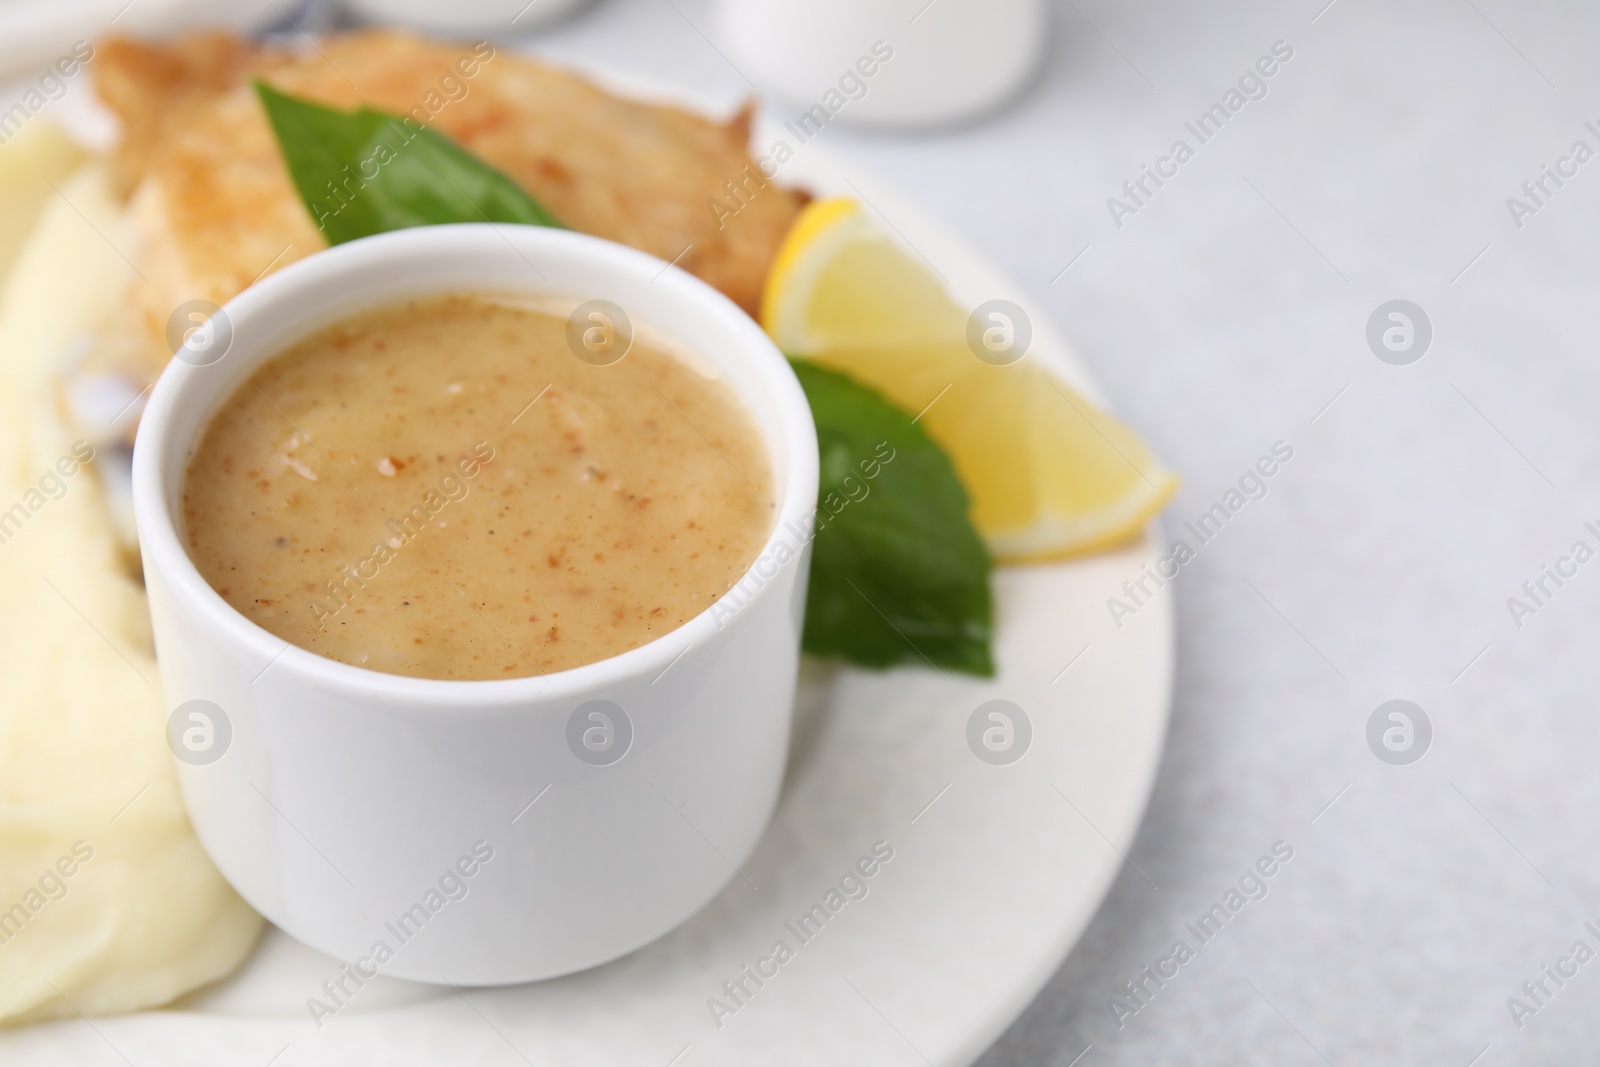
column 153, row 89
column 217, row 193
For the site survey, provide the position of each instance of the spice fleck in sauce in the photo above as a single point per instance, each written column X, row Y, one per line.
column 442, row 489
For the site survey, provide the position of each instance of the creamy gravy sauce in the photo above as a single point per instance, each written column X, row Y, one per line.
column 390, row 494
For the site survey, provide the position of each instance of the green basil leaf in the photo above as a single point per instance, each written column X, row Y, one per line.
column 366, row 171
column 898, row 573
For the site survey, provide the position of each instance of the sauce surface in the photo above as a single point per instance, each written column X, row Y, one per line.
column 442, row 489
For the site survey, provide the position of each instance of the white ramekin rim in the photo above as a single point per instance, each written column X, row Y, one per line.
column 162, row 547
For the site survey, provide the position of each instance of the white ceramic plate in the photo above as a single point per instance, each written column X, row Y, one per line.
column 36, row 32
column 996, row 868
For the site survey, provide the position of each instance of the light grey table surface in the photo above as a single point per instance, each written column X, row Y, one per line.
column 1229, row 313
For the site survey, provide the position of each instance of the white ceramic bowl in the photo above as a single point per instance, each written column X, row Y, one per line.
column 356, row 809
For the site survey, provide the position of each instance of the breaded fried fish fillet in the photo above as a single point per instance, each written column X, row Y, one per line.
column 218, row 210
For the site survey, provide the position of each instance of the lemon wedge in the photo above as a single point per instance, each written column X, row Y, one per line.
column 1049, row 473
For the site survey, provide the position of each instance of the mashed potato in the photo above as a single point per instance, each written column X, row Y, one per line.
column 36, row 154
column 107, row 903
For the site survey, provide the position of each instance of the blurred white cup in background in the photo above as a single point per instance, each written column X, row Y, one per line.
column 949, row 60
column 465, row 16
